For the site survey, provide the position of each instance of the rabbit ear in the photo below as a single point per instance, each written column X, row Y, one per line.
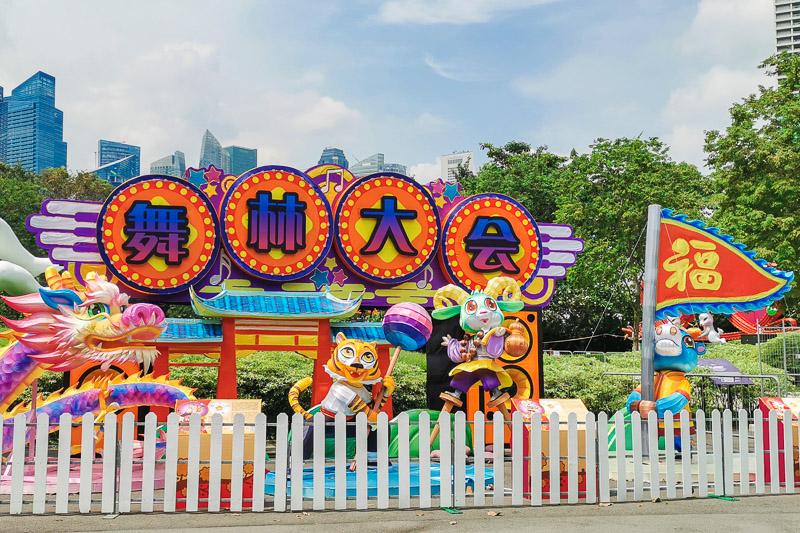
column 446, row 312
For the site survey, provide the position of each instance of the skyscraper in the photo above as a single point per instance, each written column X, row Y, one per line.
column 211, row 153
column 451, row 162
column 118, row 162
column 333, row 156
column 171, row 165
column 31, row 128
column 787, row 25
column 375, row 163
column 240, row 159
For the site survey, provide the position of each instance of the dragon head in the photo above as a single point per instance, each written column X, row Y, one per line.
column 68, row 326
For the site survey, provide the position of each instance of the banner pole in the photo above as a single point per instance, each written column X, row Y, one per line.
column 649, row 309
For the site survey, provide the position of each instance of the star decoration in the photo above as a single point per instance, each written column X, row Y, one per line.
column 437, row 187
column 213, row 174
column 320, row 278
column 451, row 191
column 211, row 190
column 196, row 176
column 339, row 277
column 330, row 263
column 440, row 201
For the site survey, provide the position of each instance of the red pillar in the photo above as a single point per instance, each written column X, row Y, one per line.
column 226, row 376
column 322, row 381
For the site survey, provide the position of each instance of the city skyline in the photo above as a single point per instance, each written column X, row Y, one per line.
column 548, row 73
column 31, row 126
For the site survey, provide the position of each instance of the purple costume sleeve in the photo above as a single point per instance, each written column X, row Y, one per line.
column 495, row 345
column 453, row 351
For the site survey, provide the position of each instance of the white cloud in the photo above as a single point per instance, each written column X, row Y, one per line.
column 731, row 30
column 323, row 113
column 426, row 172
column 427, row 12
column 452, row 71
column 576, row 78
column 428, row 123
column 703, row 104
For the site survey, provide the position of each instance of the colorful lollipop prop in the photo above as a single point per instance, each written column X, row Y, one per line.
column 406, row 326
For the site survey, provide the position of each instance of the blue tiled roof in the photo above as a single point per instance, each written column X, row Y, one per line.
column 191, row 330
column 365, row 331
column 275, row 304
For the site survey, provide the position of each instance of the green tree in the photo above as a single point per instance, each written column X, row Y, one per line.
column 756, row 162
column 529, row 176
column 58, row 183
column 19, row 197
column 605, row 199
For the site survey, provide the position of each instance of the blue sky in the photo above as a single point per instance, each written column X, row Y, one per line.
column 413, row 79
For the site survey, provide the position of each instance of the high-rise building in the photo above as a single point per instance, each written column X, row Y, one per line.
column 787, row 25
column 375, row 163
column 451, row 162
column 171, row 165
column 31, row 128
column 333, row 156
column 118, row 162
column 211, row 153
column 240, row 159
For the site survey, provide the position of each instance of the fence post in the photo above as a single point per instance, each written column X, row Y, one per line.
column 87, row 463
column 215, row 464
column 259, row 462
column 18, row 463
column 110, row 462
column 727, row 447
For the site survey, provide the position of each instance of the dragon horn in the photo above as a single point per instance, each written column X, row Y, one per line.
column 505, row 287
column 67, row 281
column 451, row 292
column 53, row 278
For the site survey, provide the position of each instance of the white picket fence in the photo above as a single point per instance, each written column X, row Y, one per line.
column 142, row 476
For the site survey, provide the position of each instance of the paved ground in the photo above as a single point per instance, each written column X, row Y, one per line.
column 765, row 513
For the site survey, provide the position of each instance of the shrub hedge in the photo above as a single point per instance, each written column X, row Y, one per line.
column 269, row 376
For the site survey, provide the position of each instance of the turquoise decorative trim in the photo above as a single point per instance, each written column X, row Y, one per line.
column 725, row 308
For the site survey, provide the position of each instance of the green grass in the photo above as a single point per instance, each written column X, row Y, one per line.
column 414, row 358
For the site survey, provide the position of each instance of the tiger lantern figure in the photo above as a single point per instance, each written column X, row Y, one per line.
column 352, row 366
column 485, row 339
column 676, row 353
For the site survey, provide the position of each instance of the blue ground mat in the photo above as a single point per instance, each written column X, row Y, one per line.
column 372, row 481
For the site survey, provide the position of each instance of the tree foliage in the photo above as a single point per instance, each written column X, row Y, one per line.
column 756, row 162
column 605, row 199
column 529, row 176
column 603, row 195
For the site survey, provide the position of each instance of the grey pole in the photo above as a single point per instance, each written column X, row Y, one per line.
column 649, row 308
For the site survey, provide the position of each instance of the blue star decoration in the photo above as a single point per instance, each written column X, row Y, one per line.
column 197, row 177
column 320, row 278
column 451, row 191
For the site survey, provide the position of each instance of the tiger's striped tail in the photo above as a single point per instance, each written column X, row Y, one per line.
column 295, row 391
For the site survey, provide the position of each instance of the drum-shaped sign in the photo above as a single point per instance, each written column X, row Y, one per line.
column 276, row 223
column 158, row 234
column 490, row 235
column 387, row 228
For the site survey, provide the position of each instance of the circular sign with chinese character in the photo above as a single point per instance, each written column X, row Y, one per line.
column 387, row 227
column 277, row 223
column 490, row 235
column 158, row 234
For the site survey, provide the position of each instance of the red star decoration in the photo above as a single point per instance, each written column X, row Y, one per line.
column 213, row 174
column 339, row 277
